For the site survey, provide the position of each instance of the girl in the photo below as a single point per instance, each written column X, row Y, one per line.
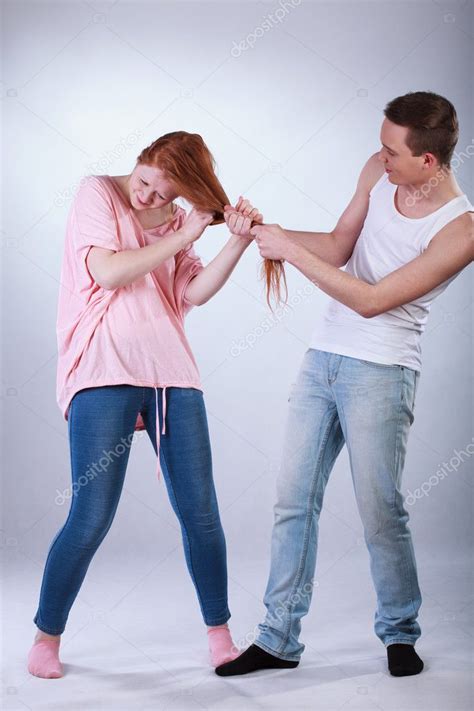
column 128, row 278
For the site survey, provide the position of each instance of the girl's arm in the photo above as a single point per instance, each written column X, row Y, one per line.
column 215, row 274
column 112, row 270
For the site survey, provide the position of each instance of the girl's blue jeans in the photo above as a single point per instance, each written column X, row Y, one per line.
column 101, row 424
column 368, row 406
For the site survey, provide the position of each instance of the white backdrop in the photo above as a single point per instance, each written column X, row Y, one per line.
column 289, row 97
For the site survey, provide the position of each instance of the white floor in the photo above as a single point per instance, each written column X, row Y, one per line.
column 135, row 640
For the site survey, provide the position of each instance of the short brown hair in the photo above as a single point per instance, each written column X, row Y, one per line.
column 431, row 120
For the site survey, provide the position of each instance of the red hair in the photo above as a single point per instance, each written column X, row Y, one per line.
column 189, row 165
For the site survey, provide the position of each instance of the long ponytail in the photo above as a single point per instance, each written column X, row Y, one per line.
column 190, row 166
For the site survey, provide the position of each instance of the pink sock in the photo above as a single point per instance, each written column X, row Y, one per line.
column 221, row 646
column 43, row 659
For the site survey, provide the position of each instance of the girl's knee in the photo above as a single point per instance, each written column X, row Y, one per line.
column 91, row 535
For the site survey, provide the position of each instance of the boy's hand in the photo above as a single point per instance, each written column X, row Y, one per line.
column 272, row 241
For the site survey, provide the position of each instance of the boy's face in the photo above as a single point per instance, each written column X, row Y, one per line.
column 402, row 167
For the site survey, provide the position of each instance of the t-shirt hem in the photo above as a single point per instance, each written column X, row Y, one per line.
column 130, row 381
column 362, row 355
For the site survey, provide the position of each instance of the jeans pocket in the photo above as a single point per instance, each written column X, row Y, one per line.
column 416, row 380
column 409, row 386
column 374, row 364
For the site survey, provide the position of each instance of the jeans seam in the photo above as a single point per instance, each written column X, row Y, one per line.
column 59, row 532
column 397, row 458
column 399, row 640
column 47, row 631
column 70, row 418
column 182, row 522
column 397, row 440
column 275, row 653
column 309, row 517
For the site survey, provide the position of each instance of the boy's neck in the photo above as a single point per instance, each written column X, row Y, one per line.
column 446, row 188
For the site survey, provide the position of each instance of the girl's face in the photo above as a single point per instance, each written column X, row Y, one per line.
column 149, row 188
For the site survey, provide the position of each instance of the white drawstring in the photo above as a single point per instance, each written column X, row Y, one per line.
column 157, row 424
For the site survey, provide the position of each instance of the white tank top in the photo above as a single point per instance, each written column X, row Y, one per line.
column 388, row 241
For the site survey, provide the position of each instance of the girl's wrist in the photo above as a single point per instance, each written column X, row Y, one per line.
column 240, row 241
column 183, row 238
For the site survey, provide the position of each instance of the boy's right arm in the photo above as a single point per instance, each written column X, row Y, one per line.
column 337, row 246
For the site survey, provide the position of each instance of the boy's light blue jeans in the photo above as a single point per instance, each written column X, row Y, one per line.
column 368, row 406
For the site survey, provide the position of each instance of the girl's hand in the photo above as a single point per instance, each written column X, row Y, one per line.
column 243, row 205
column 195, row 224
column 239, row 218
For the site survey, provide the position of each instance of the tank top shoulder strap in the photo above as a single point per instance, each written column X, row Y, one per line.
column 448, row 212
column 379, row 184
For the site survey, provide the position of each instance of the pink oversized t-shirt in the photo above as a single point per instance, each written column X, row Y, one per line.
column 133, row 334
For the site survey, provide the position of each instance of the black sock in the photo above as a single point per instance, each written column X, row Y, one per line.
column 403, row 660
column 253, row 659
